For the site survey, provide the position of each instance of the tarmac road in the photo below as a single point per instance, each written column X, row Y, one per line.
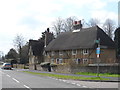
column 17, row 79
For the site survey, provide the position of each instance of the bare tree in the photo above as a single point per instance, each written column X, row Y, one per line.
column 63, row 25
column 68, row 24
column 19, row 42
column 109, row 27
column 93, row 22
column 58, row 25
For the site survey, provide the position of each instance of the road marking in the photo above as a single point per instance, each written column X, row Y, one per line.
column 78, row 84
column 27, row 87
column 69, row 82
column 15, row 80
column 8, row 75
column 84, row 86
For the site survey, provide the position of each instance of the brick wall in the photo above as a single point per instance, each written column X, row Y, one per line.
column 93, row 69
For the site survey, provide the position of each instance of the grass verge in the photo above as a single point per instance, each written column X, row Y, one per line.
column 67, row 76
column 101, row 74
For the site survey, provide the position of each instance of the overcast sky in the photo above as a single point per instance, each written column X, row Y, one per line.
column 31, row 17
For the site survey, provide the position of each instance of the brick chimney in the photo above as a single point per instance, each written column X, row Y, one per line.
column 77, row 25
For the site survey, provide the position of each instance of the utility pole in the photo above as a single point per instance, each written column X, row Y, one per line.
column 98, row 56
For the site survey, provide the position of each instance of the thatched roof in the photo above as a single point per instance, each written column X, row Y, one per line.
column 37, row 47
column 85, row 38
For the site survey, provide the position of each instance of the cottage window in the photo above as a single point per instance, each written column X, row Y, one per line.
column 85, row 51
column 60, row 52
column 74, row 52
column 85, row 61
column 59, row 61
column 78, row 61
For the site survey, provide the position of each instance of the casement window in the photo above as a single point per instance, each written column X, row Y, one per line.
column 74, row 52
column 85, row 61
column 59, row 61
column 77, row 61
column 85, row 51
column 60, row 52
column 52, row 60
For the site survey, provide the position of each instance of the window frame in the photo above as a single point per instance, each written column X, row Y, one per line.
column 85, row 60
column 85, row 51
column 59, row 60
column 74, row 53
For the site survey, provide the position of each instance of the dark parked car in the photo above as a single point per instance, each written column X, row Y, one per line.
column 7, row 66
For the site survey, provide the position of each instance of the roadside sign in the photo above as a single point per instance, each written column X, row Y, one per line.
column 97, row 41
column 98, row 50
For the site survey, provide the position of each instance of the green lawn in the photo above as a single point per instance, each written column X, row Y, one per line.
column 101, row 74
column 67, row 77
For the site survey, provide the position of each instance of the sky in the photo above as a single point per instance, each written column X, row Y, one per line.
column 31, row 17
column 119, row 13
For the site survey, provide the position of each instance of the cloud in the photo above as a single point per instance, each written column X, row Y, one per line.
column 103, row 15
column 31, row 17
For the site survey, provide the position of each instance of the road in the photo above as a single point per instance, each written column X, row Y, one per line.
column 18, row 79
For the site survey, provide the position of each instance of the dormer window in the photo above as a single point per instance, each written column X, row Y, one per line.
column 74, row 52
